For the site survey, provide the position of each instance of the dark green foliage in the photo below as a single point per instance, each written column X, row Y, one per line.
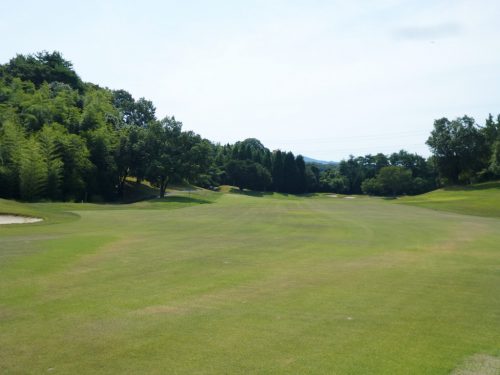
column 43, row 67
column 173, row 154
column 287, row 173
column 418, row 166
column 360, row 174
column 331, row 180
column 77, row 168
column 301, row 182
column 32, row 171
column 12, row 141
column 494, row 166
column 290, row 173
column 247, row 174
column 138, row 113
column 354, row 171
column 373, row 163
column 98, row 110
column 62, row 139
column 47, row 139
column 131, row 155
column 102, row 144
column 491, row 133
column 278, row 172
column 460, row 149
column 313, row 180
column 390, row 180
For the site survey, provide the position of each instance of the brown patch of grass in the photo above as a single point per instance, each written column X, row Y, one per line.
column 479, row 364
column 163, row 309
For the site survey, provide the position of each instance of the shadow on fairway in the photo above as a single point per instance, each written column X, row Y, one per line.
column 250, row 193
column 181, row 199
column 483, row 186
column 260, row 194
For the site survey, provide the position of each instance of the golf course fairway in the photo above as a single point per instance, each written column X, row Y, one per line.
column 214, row 283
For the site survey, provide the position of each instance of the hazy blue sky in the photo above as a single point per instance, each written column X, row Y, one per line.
column 322, row 78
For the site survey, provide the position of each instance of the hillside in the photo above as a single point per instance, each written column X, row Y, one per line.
column 479, row 199
column 316, row 161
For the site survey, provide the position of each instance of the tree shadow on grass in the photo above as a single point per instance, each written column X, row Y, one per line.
column 260, row 194
column 182, row 199
column 250, row 193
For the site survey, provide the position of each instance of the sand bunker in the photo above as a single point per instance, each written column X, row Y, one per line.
column 14, row 219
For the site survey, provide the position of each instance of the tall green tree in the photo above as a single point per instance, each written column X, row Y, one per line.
column 290, row 174
column 301, row 183
column 390, row 180
column 49, row 149
column 278, row 171
column 43, row 67
column 173, row 154
column 394, row 180
column 105, row 180
column 354, row 173
column 247, row 174
column 12, row 144
column 494, row 166
column 459, row 149
column 139, row 113
column 32, row 171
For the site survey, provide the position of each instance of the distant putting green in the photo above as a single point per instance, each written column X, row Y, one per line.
column 213, row 283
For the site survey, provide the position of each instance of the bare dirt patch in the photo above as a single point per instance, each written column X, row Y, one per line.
column 479, row 364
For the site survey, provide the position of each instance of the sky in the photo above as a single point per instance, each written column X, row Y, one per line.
column 324, row 79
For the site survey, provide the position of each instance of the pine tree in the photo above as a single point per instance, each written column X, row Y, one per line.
column 301, row 185
column 277, row 171
column 290, row 174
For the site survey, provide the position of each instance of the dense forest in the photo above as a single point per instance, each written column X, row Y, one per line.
column 65, row 139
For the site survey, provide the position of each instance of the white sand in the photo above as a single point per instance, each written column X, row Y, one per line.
column 13, row 219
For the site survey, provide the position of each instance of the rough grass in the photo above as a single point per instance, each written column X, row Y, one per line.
column 231, row 283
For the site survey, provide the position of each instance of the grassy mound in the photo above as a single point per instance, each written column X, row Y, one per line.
column 480, row 199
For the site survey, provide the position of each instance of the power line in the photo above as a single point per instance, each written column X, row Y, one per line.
column 375, row 137
column 354, row 149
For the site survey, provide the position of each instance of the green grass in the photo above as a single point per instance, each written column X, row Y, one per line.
column 233, row 283
column 480, row 199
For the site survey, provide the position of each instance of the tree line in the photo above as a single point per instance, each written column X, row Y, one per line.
column 65, row 139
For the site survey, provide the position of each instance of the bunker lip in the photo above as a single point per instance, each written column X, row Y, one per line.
column 17, row 219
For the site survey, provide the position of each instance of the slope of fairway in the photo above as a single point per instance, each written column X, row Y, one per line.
column 231, row 283
column 480, row 199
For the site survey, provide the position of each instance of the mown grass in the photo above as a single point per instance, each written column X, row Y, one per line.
column 480, row 199
column 231, row 283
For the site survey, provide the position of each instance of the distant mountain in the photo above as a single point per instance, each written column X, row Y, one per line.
column 315, row 161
